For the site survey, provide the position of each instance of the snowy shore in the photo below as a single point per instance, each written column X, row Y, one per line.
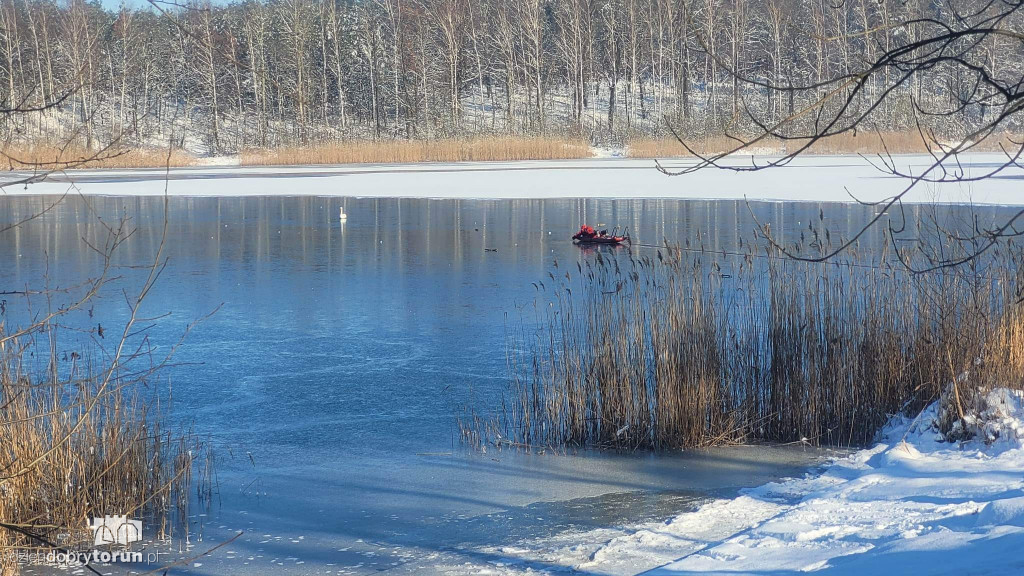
column 910, row 504
column 810, row 179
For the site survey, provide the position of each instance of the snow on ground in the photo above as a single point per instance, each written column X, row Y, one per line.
column 219, row 160
column 910, row 504
column 813, row 179
column 608, row 152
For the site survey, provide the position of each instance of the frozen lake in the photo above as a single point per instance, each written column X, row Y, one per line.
column 330, row 378
column 806, row 179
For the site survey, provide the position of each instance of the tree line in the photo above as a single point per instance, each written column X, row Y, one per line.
column 262, row 73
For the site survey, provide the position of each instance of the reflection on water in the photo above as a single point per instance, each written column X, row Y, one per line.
column 341, row 352
column 394, row 317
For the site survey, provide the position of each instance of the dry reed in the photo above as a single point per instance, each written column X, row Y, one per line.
column 405, row 151
column 49, row 157
column 78, row 439
column 680, row 348
column 862, row 142
column 75, row 449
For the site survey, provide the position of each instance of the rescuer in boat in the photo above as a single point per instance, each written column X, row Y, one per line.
column 587, row 232
column 588, row 235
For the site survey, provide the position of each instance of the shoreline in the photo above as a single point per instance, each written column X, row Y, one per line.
column 806, row 179
column 909, row 503
column 557, row 514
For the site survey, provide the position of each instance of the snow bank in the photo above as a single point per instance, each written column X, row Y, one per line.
column 913, row 503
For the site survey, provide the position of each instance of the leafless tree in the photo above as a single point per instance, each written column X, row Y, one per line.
column 952, row 54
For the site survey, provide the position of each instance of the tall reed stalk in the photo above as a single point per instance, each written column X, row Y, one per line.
column 677, row 348
column 862, row 142
column 73, row 449
column 44, row 156
column 80, row 426
column 484, row 149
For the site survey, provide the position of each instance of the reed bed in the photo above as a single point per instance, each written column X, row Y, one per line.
column 407, row 151
column 77, row 444
column 678, row 348
column 51, row 157
column 82, row 413
column 862, row 142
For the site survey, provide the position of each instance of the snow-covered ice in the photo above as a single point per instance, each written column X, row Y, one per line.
column 812, row 179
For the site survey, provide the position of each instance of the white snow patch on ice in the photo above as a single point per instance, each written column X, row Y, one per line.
column 811, row 179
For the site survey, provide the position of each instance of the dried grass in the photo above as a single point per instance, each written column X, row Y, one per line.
column 405, row 151
column 82, row 439
column 862, row 142
column 74, row 449
column 683, row 348
column 50, row 157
